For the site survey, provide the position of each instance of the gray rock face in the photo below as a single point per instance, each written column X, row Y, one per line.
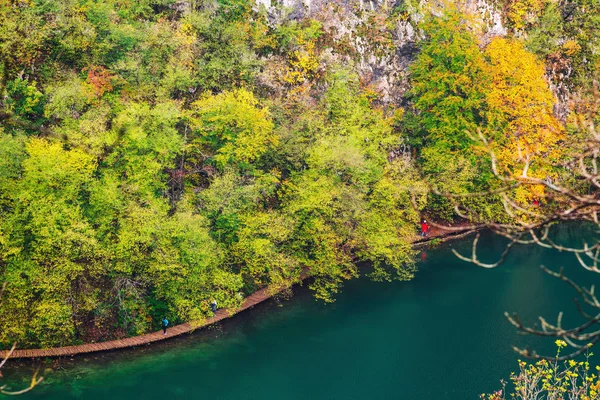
column 383, row 52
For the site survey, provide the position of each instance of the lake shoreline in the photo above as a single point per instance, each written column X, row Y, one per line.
column 436, row 237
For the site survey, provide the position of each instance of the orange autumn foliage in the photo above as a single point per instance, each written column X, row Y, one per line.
column 99, row 80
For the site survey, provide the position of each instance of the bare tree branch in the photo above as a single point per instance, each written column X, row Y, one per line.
column 577, row 198
column 34, row 379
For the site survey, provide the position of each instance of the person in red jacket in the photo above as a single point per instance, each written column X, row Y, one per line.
column 424, row 228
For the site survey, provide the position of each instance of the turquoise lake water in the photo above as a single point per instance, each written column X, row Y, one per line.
column 440, row 336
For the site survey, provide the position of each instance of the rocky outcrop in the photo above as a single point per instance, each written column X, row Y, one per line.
column 382, row 33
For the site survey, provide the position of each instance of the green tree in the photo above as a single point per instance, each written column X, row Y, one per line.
column 232, row 128
column 51, row 255
column 450, row 80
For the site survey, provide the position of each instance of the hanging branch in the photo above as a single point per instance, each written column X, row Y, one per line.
column 34, row 379
column 532, row 226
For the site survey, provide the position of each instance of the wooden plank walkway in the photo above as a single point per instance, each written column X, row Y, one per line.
column 250, row 301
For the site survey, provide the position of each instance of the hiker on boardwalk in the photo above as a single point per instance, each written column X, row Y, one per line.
column 165, row 323
column 424, row 228
column 213, row 306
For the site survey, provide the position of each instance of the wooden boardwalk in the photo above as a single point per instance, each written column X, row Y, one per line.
column 250, row 301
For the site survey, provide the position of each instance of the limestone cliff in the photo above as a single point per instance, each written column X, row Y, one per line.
column 381, row 33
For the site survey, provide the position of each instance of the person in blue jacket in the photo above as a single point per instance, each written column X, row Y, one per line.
column 165, row 323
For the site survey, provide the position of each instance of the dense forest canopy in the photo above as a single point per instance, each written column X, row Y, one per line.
column 156, row 155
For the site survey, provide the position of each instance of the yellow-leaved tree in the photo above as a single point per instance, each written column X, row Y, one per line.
column 521, row 13
column 526, row 135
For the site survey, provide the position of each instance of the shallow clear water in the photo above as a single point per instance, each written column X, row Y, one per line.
column 439, row 336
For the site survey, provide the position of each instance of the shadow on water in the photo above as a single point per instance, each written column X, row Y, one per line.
column 441, row 335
